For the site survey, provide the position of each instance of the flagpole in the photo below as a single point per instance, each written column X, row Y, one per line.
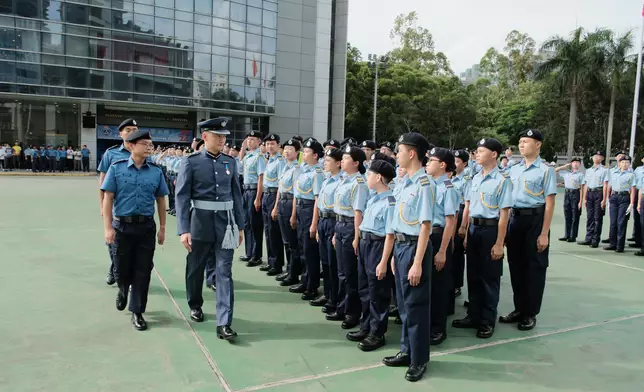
column 631, row 150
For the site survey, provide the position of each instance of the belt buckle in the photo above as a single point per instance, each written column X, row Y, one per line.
column 400, row 237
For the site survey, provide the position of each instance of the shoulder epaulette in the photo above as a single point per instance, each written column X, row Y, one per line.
column 392, row 200
column 116, row 146
column 359, row 179
column 120, row 161
column 318, row 169
column 194, row 154
column 448, row 183
column 424, row 181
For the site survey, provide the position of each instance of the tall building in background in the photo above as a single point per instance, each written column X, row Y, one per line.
column 70, row 71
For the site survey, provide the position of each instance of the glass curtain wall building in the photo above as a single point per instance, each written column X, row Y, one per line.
column 168, row 63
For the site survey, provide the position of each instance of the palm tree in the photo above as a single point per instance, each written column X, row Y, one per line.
column 617, row 62
column 576, row 63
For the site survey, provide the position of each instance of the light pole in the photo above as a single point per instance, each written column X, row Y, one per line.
column 376, row 62
column 631, row 149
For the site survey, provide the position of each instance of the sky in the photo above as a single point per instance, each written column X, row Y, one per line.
column 465, row 29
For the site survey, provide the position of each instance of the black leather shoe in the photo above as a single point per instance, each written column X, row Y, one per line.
column 139, row 322
column 512, row 317
column 457, row 292
column 299, row 288
column 357, row 336
column 609, row 247
column 274, row 272
column 606, row 241
column 572, row 240
column 121, row 300
column 640, row 253
column 371, row 343
column 485, row 332
column 464, row 323
column 253, row 263
column 265, row 268
column 635, row 245
column 109, row 279
column 632, row 239
column 527, row 324
column 594, row 246
column 244, row 258
column 350, row 322
column 226, row 333
column 196, row 315
column 281, row 276
column 398, row 360
column 583, row 243
column 212, row 287
column 398, row 321
column 563, row 239
column 310, row 295
column 319, row 301
column 437, row 338
column 466, row 303
column 335, row 316
column 415, row 372
column 393, row 311
column 619, row 250
column 289, row 282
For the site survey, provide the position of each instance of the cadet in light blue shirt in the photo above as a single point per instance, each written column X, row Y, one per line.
column 254, row 167
column 373, row 261
column 595, row 197
column 274, row 243
column 573, row 184
column 461, row 182
column 637, row 227
column 534, row 191
column 411, row 225
column 622, row 198
column 486, row 210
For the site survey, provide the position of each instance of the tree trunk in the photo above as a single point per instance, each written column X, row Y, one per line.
column 611, row 115
column 572, row 120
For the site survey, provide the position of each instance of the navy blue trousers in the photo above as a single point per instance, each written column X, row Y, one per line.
column 347, row 270
column 254, row 226
column 595, row 216
column 326, row 230
column 618, row 219
column 289, row 237
column 483, row 275
column 442, row 288
column 274, row 244
column 572, row 213
column 308, row 247
column 375, row 295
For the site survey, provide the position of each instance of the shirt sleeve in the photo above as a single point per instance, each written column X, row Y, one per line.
column 505, row 194
column 318, row 179
column 360, row 196
column 426, row 202
column 261, row 165
column 467, row 190
column 389, row 217
column 109, row 183
column 105, row 163
column 550, row 182
column 451, row 204
column 162, row 189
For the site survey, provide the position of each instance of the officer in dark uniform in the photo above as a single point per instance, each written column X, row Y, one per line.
column 441, row 161
column 113, row 154
column 210, row 220
column 412, row 263
column 573, row 183
column 254, row 164
column 132, row 229
column 534, row 188
column 487, row 205
column 623, row 195
column 274, row 245
column 595, row 197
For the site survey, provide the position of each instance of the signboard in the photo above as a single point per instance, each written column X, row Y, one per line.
column 163, row 135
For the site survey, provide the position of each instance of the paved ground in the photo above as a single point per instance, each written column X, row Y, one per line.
column 62, row 333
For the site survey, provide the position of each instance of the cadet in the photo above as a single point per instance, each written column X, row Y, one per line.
column 441, row 161
column 209, row 221
column 461, row 182
column 369, row 147
column 326, row 231
column 374, row 270
column 307, row 189
column 412, row 262
column 485, row 217
column 133, row 185
column 274, row 244
column 534, row 188
column 574, row 183
column 283, row 212
column 622, row 198
column 331, row 144
column 387, row 148
column 595, row 196
column 350, row 203
column 637, row 226
column 254, row 167
column 113, row 154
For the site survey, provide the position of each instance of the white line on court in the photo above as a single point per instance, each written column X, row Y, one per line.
column 601, row 261
column 438, row 354
column 204, row 349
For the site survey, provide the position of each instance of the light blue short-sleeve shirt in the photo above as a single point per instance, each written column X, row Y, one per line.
column 379, row 213
column 531, row 185
column 415, row 198
column 489, row 194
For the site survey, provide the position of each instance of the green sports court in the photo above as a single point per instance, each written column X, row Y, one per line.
column 61, row 332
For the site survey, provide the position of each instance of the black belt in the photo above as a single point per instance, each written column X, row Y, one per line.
column 528, row 211
column 370, row 236
column 484, row 221
column 250, row 186
column 342, row 218
column 437, row 229
column 400, row 237
column 270, row 190
column 286, row 196
column 572, row 190
column 595, row 189
column 327, row 215
column 305, row 201
column 134, row 219
column 621, row 193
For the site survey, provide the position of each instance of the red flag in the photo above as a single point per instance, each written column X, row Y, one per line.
column 254, row 67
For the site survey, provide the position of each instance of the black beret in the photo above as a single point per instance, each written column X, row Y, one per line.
column 235, row 147
column 349, row 140
column 315, row 146
column 130, row 122
column 384, row 157
column 272, row 137
column 299, row 138
column 293, row 143
column 415, row 140
column 444, row 155
column 332, row 143
column 227, row 144
column 532, row 133
column 215, row 125
column 369, row 144
column 383, row 168
column 461, row 154
column 199, row 144
column 138, row 135
column 491, row 144
column 254, row 133
column 389, row 145
column 598, row 152
column 356, row 153
column 334, row 153
column 575, row 159
column 624, row 157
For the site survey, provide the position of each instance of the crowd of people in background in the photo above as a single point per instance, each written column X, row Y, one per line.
column 44, row 159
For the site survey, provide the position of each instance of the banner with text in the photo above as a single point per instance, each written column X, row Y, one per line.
column 163, row 135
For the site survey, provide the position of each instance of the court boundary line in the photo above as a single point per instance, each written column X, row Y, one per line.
column 601, row 261
column 204, row 350
column 298, row 380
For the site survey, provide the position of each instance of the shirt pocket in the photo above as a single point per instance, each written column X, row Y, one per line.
column 408, row 210
column 305, row 184
column 533, row 187
column 490, row 199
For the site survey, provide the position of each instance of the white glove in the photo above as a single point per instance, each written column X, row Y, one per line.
column 629, row 209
